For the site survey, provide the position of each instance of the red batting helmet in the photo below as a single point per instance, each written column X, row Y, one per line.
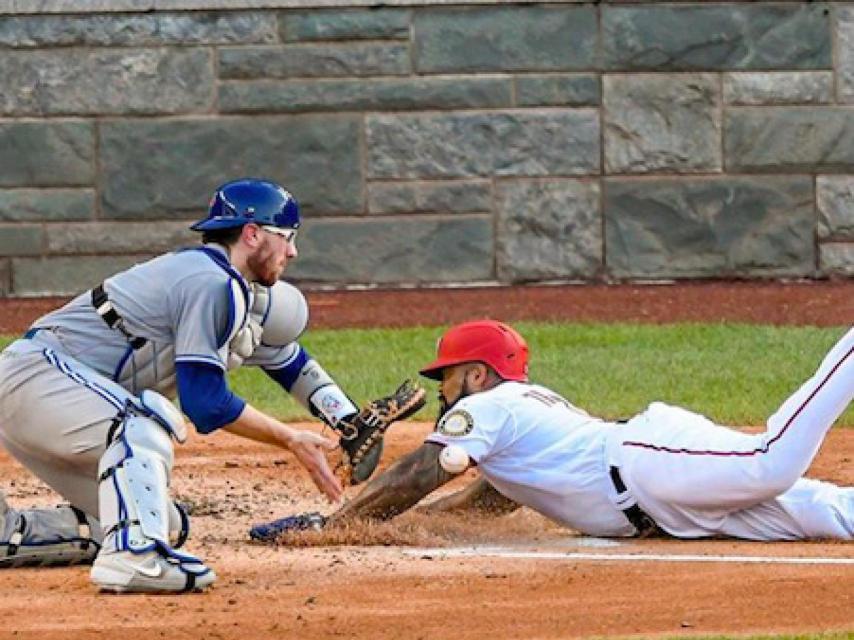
column 493, row 343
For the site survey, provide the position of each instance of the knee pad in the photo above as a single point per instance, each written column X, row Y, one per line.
column 155, row 406
column 133, row 491
column 47, row 537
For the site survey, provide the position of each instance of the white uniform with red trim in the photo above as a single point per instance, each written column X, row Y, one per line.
column 693, row 477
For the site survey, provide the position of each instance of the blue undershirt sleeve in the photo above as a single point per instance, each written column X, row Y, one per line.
column 205, row 397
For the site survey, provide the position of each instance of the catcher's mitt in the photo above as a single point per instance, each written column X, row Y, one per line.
column 362, row 442
column 269, row 531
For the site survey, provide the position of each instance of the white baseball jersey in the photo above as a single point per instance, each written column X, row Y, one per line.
column 693, row 477
column 537, row 449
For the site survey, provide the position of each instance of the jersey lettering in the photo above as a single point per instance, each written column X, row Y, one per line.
column 548, row 399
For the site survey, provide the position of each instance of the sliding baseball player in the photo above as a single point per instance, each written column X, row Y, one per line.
column 667, row 471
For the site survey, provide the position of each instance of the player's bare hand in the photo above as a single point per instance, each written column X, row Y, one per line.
column 310, row 449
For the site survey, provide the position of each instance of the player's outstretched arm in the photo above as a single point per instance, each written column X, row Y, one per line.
column 479, row 496
column 400, row 487
column 308, row 447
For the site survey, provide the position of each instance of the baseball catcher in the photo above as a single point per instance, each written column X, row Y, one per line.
column 85, row 395
column 666, row 471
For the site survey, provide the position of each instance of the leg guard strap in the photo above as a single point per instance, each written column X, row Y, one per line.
column 178, row 535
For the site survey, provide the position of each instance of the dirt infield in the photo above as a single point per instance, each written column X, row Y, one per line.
column 402, row 580
column 380, row 592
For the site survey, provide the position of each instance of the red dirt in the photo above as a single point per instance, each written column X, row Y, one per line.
column 823, row 303
column 359, row 591
column 360, row 584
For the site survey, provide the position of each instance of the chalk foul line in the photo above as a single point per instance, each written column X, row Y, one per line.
column 503, row 552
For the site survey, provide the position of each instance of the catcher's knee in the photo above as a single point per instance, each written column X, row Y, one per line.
column 60, row 536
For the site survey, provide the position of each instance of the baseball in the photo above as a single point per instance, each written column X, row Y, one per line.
column 454, row 459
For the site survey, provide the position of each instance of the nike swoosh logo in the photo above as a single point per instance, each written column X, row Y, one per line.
column 151, row 569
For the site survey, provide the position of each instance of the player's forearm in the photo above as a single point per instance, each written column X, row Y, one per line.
column 258, row 426
column 398, row 488
column 479, row 496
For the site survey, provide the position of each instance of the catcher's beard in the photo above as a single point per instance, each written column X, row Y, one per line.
column 265, row 266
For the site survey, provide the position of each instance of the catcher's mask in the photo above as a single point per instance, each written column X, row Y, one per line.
column 493, row 343
column 248, row 200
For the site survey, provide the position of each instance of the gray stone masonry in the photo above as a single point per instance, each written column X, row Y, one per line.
column 366, row 95
column 558, row 90
column 5, row 277
column 684, row 227
column 717, row 36
column 472, row 39
column 423, row 249
column 845, row 53
column 119, row 237
column 21, row 240
column 778, row 87
column 65, row 275
column 135, row 30
column 548, row 229
column 46, row 154
column 46, row 205
column 106, row 81
column 434, row 142
column 175, row 162
column 835, row 197
column 789, row 140
column 470, row 196
column 316, row 60
column 837, row 258
column 500, row 143
column 110, row 6
column 345, row 24
column 662, row 123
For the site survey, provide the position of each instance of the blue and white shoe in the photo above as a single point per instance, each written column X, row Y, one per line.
column 150, row 572
column 270, row 531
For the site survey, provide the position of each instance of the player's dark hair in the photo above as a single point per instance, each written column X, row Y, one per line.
column 225, row 237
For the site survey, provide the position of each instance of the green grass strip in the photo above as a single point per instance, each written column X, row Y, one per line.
column 832, row 635
column 735, row 374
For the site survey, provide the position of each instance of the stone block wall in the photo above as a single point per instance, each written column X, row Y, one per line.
column 433, row 143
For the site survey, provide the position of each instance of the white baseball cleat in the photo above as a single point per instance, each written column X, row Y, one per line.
column 149, row 572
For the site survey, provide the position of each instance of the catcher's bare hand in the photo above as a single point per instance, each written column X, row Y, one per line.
column 310, row 449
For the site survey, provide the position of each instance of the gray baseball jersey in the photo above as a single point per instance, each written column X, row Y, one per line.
column 61, row 390
column 187, row 305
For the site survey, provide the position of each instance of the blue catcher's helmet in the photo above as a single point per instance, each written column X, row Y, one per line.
column 248, row 200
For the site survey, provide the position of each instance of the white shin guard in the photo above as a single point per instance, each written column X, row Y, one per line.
column 136, row 511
